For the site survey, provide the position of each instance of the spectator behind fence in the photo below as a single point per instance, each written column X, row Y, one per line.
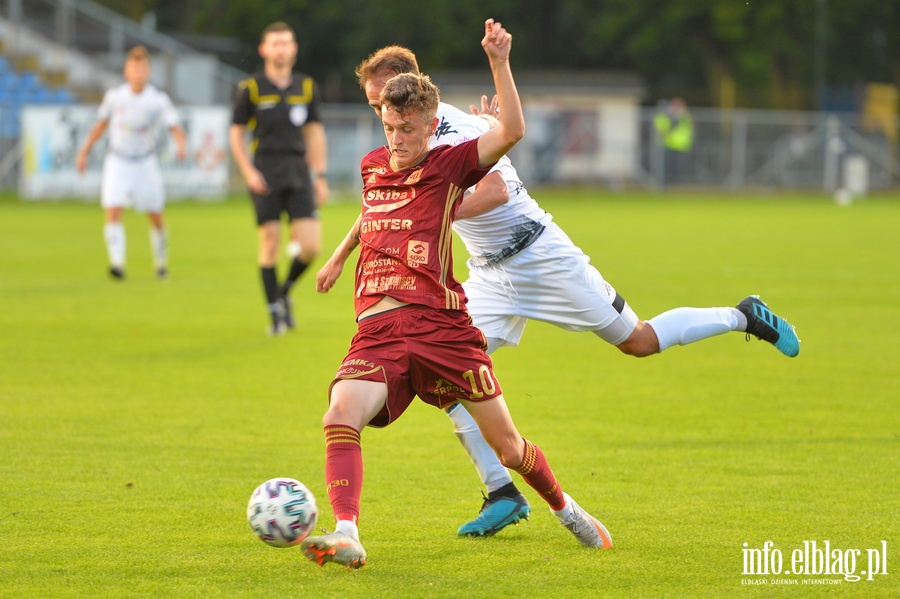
column 675, row 134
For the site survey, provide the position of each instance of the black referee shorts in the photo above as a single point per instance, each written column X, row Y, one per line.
column 290, row 189
column 297, row 202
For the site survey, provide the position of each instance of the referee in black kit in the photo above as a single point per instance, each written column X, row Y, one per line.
column 288, row 169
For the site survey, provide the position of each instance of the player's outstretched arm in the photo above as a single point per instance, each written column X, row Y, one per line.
column 489, row 193
column 501, row 139
column 332, row 269
column 93, row 135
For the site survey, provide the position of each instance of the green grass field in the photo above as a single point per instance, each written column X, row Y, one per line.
column 136, row 418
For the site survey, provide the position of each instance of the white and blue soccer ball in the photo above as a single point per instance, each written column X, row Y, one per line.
column 282, row 512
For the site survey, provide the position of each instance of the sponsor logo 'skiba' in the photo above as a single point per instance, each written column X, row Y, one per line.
column 387, row 199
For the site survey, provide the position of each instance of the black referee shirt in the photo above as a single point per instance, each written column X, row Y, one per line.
column 275, row 117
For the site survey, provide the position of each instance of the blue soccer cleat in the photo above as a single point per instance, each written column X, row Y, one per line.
column 496, row 514
column 766, row 325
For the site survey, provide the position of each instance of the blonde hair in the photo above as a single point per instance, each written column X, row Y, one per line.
column 408, row 92
column 138, row 53
column 390, row 59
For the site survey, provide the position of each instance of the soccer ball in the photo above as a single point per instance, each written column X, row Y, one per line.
column 282, row 512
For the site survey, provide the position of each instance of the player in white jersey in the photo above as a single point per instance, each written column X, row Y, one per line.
column 524, row 267
column 133, row 112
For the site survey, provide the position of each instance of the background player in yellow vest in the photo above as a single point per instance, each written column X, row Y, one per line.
column 288, row 170
column 675, row 132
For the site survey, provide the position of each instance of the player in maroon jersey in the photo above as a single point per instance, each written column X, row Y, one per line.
column 415, row 336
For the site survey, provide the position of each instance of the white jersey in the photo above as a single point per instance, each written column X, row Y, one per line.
column 523, row 266
column 134, row 119
column 497, row 234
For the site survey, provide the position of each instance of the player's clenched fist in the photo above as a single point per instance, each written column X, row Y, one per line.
column 497, row 41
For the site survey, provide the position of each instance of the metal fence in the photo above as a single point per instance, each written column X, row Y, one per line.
column 732, row 150
column 736, row 149
column 755, row 148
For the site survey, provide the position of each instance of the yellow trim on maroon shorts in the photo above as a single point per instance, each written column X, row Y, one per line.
column 348, row 377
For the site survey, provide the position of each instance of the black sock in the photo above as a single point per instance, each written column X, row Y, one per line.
column 507, row 490
column 297, row 269
column 270, row 283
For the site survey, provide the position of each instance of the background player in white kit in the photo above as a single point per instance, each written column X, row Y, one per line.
column 133, row 113
column 523, row 266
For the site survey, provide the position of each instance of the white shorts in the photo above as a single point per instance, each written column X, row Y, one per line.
column 552, row 281
column 131, row 183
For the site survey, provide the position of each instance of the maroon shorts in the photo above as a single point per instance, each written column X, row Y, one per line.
column 438, row 355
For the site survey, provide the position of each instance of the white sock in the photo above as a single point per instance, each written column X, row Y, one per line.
column 486, row 462
column 347, row 527
column 114, row 233
column 686, row 325
column 565, row 513
column 159, row 243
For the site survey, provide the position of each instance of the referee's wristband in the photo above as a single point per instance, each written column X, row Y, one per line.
column 321, row 175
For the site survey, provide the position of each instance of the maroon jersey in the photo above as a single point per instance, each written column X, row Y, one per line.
column 405, row 240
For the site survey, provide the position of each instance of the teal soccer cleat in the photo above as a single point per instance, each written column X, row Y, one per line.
column 496, row 514
column 766, row 325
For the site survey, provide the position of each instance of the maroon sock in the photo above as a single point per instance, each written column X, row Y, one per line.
column 343, row 471
column 537, row 473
